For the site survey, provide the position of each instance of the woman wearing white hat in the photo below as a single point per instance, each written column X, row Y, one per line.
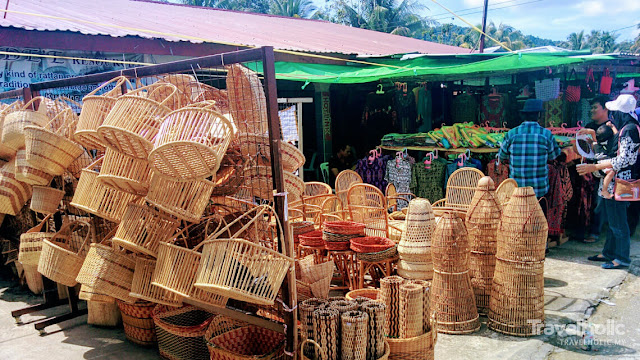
column 624, row 161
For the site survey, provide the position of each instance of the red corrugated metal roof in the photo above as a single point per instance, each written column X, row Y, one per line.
column 173, row 22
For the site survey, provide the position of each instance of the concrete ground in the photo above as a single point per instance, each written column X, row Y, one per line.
column 575, row 289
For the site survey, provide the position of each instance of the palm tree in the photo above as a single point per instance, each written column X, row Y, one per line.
column 292, row 8
column 636, row 43
column 576, row 41
column 259, row 6
column 391, row 16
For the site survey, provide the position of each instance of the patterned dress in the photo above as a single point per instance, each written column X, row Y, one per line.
column 373, row 173
column 428, row 183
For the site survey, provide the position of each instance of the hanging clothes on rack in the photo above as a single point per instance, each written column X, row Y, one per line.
column 405, row 110
column 492, row 110
column 498, row 171
column 424, row 107
column 398, row 173
column 428, row 181
column 459, row 163
column 465, row 108
column 373, row 171
column 560, row 192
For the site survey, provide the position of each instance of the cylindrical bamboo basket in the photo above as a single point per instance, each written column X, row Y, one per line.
column 390, row 289
column 141, row 287
column 15, row 122
column 247, row 102
column 137, row 319
column 103, row 314
column 108, row 271
column 453, row 303
column 517, row 298
column 26, row 173
column 62, row 256
column 523, row 231
column 325, row 333
column 191, row 143
column 135, row 119
column 426, row 312
column 305, row 310
column 185, row 200
column 143, row 228
column 95, row 109
column 46, row 200
column 411, row 310
column 375, row 344
column 125, row 173
column 354, row 325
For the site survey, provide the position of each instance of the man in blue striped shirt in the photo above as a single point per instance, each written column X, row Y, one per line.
column 528, row 148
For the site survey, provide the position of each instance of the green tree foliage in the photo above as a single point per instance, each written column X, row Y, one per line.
column 258, row 6
column 292, row 8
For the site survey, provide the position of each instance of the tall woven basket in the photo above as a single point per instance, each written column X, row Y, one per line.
column 247, row 101
column 141, row 287
column 135, row 119
column 185, row 200
column 125, row 173
column 95, row 109
column 180, row 332
column 13, row 193
column 63, row 255
column 191, row 143
column 26, row 173
column 143, row 228
column 31, row 243
column 15, row 122
column 7, row 152
column 414, row 249
column 46, row 200
column 137, row 319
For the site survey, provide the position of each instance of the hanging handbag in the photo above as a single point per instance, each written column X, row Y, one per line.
column 606, row 82
column 547, row 89
column 589, row 86
column 627, row 190
column 572, row 92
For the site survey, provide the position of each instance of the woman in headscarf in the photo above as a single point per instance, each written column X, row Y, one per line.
column 624, row 161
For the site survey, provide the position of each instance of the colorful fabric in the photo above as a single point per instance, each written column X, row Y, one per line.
column 492, row 110
column 398, row 173
column 498, row 171
column 424, row 107
column 553, row 112
column 560, row 192
column 428, row 183
column 465, row 108
column 528, row 148
column 373, row 173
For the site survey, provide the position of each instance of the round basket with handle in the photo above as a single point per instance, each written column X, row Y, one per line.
column 125, row 173
column 242, row 269
column 141, row 287
column 191, row 143
column 137, row 319
column 180, row 280
column 7, row 152
column 132, row 124
column 181, row 331
column 204, row 92
column 95, row 109
column 16, row 121
column 62, row 255
column 108, row 270
column 13, row 193
column 89, row 294
column 230, row 175
column 94, row 197
column 247, row 342
column 27, row 173
column 31, row 242
column 143, row 228
column 185, row 200
column 292, row 158
column 46, row 200
column 183, row 84
column 51, row 150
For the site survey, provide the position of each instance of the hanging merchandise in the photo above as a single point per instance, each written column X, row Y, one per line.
column 498, row 170
column 605, row 82
column 427, row 179
column 560, row 192
column 398, row 173
column 547, row 89
column 553, row 116
column 572, row 92
column 492, row 109
column 424, row 107
column 465, row 108
column 462, row 160
column 405, row 110
column 584, row 111
column 589, row 86
column 372, row 169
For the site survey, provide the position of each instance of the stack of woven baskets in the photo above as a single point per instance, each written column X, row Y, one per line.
column 414, row 248
column 374, row 248
column 337, row 235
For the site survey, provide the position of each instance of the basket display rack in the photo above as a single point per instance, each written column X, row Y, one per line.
column 209, row 68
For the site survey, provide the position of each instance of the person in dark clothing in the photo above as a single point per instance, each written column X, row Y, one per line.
column 342, row 160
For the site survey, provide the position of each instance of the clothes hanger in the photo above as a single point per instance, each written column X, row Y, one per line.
column 380, row 91
column 428, row 160
column 494, row 93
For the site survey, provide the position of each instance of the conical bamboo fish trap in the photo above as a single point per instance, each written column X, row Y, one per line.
column 15, row 122
column 141, row 287
column 481, row 269
column 247, row 101
column 517, row 298
column 415, row 244
column 185, row 200
column 483, row 218
column 26, row 173
column 523, row 231
column 143, row 228
column 95, row 109
column 450, row 245
column 13, row 193
column 125, row 173
column 191, row 143
column 132, row 124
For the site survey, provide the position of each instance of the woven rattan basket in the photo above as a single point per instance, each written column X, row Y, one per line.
column 247, row 342
column 137, row 319
column 141, row 287
column 450, row 245
column 415, row 243
column 260, row 180
column 292, row 158
column 522, row 235
column 305, row 310
column 325, row 333
column 230, row 175
column 95, row 109
column 80, row 163
column 247, row 101
column 15, row 122
column 27, row 174
column 108, row 270
column 134, row 121
column 125, row 173
column 255, row 146
column 390, row 296
column 62, row 255
column 180, row 332
column 13, row 193
column 89, row 294
column 94, row 197
column 31, row 243
column 185, row 200
column 370, row 294
column 52, row 151
column 411, row 310
column 416, row 348
column 143, row 228
column 46, row 200
column 180, row 280
column 191, row 144
column 355, row 329
column 7, row 152
column 483, row 218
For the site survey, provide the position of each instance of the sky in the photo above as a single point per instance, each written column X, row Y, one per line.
column 548, row 19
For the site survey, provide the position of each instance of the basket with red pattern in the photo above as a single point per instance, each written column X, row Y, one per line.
column 312, row 238
column 248, row 342
column 301, row 227
column 371, row 244
column 343, row 227
column 138, row 322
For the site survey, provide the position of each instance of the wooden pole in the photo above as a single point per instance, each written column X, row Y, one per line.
column 484, row 24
